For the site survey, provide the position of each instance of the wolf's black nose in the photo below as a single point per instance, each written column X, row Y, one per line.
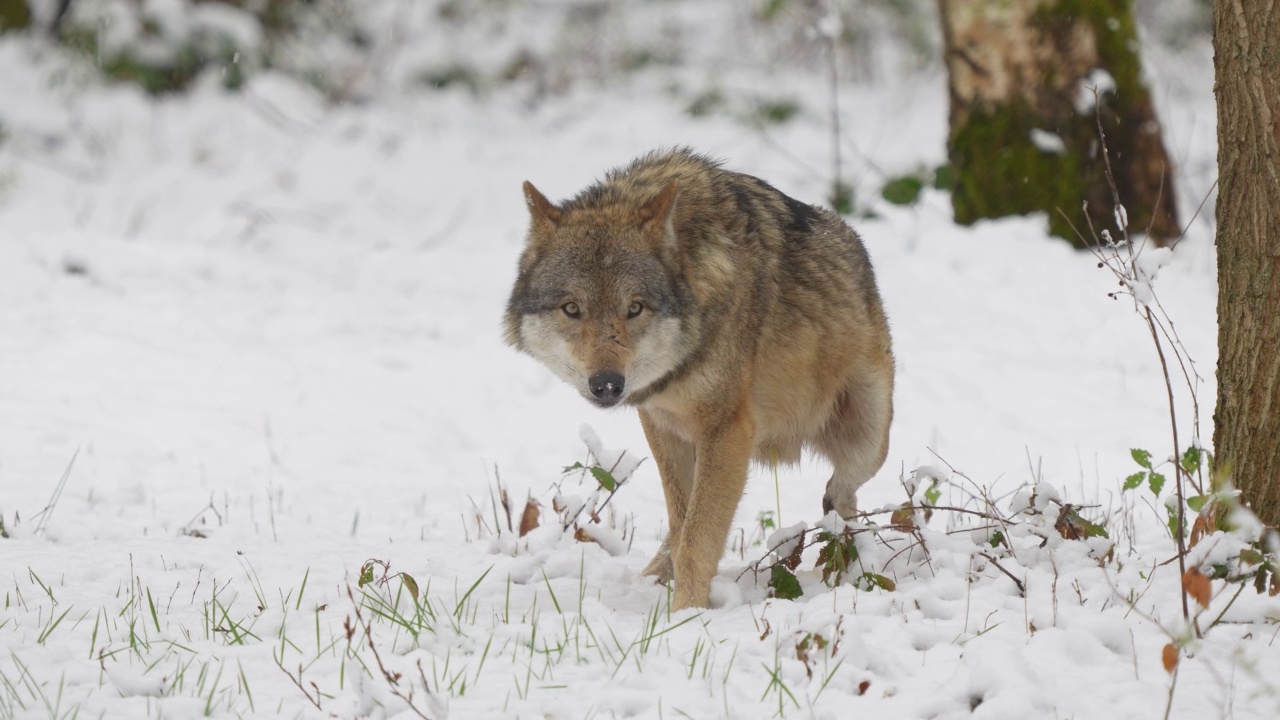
column 606, row 385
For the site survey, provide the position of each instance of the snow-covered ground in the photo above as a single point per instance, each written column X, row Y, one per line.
column 260, row 336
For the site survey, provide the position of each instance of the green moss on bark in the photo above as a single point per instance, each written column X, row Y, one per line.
column 1114, row 33
column 1000, row 171
column 14, row 15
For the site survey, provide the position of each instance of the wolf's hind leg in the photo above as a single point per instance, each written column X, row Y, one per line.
column 660, row 566
column 856, row 440
column 676, row 461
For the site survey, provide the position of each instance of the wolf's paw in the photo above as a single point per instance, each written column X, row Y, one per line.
column 686, row 597
column 660, row 566
column 842, row 499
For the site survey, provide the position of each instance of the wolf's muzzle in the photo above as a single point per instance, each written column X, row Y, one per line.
column 606, row 386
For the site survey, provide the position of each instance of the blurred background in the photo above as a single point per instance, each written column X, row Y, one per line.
column 764, row 64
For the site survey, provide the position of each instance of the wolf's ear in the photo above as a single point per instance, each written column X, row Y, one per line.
column 542, row 210
column 660, row 206
column 656, row 217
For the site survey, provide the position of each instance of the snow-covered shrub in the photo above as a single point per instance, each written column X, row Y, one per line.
column 163, row 45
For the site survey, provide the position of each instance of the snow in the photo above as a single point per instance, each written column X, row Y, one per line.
column 1048, row 142
column 270, row 328
column 1098, row 82
column 784, row 541
column 1146, row 266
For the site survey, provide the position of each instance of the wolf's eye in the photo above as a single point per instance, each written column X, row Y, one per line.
column 636, row 308
column 571, row 309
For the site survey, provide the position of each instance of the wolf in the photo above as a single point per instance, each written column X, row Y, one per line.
column 741, row 323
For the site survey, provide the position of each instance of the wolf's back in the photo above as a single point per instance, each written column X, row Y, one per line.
column 736, row 230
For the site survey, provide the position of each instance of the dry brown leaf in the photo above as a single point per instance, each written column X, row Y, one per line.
column 802, row 654
column 902, row 518
column 792, row 561
column 581, row 535
column 1199, row 529
column 862, row 687
column 1206, row 522
column 1170, row 657
column 1274, row 590
column 1197, row 585
column 530, row 517
column 1068, row 525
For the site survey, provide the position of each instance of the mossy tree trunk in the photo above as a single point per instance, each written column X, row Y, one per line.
column 1024, row 134
column 14, row 15
column 1246, row 432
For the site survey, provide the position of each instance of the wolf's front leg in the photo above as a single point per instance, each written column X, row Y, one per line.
column 675, row 458
column 723, row 454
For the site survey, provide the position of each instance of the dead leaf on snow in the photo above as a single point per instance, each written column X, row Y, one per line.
column 529, row 518
column 1170, row 657
column 902, row 518
column 1197, row 585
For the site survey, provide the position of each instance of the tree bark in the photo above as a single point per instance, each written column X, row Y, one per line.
column 1246, row 433
column 1024, row 132
column 14, row 15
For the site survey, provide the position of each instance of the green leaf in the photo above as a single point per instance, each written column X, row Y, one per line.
column 903, row 190
column 942, row 177
column 1191, row 459
column 933, row 494
column 1092, row 529
column 777, row 112
column 997, row 538
column 881, row 582
column 765, row 518
column 1142, row 457
column 784, row 583
column 1249, row 556
column 1196, row 502
column 366, row 575
column 771, row 9
column 570, row 468
column 603, row 477
column 842, row 197
column 1157, row 482
column 1134, row 480
column 836, row 555
column 1077, row 523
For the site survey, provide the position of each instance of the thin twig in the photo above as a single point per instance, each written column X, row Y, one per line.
column 1180, row 535
column 1022, row 589
column 298, row 681
column 1228, row 607
column 1145, row 313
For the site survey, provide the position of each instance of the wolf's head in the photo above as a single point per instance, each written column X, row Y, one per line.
column 600, row 299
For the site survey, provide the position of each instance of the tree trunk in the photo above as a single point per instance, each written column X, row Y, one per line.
column 1024, row 133
column 14, row 15
column 1246, row 432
